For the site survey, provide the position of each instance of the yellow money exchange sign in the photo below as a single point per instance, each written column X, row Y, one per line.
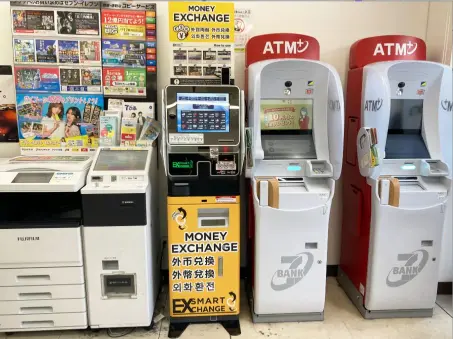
column 211, row 22
column 204, row 261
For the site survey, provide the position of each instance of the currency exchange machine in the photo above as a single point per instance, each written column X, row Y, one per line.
column 296, row 120
column 203, row 161
column 397, row 176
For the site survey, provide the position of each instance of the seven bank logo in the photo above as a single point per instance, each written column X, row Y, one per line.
column 373, row 105
column 285, row 47
column 447, row 105
column 413, row 264
column 395, row 48
column 299, row 266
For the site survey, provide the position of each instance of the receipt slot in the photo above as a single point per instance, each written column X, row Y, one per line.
column 296, row 120
column 203, row 161
column 397, row 177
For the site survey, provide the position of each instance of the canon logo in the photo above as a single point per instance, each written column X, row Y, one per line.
column 286, row 47
column 392, row 48
column 27, row 238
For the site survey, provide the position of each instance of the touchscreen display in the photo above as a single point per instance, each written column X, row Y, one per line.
column 203, row 112
column 121, row 160
column 404, row 138
column 282, row 114
column 287, row 129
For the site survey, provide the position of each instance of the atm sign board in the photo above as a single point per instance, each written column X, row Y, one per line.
column 204, row 258
column 281, row 46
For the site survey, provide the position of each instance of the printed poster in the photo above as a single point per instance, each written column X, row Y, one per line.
column 87, row 79
column 90, row 52
column 124, row 81
column 46, row 51
column 68, row 52
column 33, row 21
column 77, row 23
column 128, row 25
column 8, row 123
column 202, row 37
column 58, row 121
column 123, row 53
column 8, row 117
column 45, row 79
column 24, row 50
column 242, row 28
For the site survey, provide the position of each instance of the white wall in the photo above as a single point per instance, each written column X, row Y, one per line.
column 439, row 34
column 336, row 25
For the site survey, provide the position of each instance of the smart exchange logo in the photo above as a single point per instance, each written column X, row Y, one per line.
column 414, row 264
column 299, row 266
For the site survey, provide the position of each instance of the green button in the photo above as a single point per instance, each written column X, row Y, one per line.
column 150, row 20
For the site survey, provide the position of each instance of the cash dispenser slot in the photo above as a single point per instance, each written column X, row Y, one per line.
column 319, row 168
column 434, row 168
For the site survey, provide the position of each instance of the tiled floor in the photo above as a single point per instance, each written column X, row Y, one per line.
column 342, row 321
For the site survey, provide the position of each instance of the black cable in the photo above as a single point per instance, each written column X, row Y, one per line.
column 126, row 331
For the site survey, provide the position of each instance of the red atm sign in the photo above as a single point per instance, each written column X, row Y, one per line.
column 281, row 46
column 386, row 48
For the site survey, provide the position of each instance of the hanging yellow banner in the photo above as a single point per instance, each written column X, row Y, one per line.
column 211, row 22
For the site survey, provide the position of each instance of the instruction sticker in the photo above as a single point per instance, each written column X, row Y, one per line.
column 186, row 139
column 225, row 199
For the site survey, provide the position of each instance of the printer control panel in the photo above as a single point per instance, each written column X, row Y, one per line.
column 116, row 179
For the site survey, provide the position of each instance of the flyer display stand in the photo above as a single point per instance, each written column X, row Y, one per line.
column 57, row 74
column 129, row 51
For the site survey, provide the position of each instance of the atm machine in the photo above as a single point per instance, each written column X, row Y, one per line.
column 296, row 120
column 397, row 176
column 42, row 280
column 203, row 156
column 121, row 237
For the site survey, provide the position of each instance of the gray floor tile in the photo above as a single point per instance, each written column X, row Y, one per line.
column 445, row 302
column 342, row 321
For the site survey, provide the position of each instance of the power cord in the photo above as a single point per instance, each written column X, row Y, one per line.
column 113, row 334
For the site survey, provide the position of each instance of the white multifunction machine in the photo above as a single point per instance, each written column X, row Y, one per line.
column 121, row 238
column 296, row 116
column 42, row 284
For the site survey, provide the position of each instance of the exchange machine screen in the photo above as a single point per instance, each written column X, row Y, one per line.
column 203, row 113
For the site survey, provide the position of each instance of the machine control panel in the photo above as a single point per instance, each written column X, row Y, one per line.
column 116, row 178
column 192, row 164
column 319, row 168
